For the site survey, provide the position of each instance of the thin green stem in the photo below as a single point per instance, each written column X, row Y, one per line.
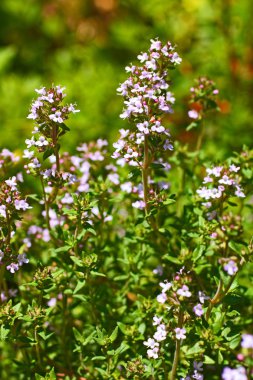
column 219, row 295
column 145, row 168
column 177, row 349
column 37, row 346
column 46, row 204
column 56, row 148
column 8, row 237
column 215, row 299
column 200, row 136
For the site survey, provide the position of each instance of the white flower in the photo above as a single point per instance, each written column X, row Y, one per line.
column 247, row 341
column 165, row 286
column 184, row 291
column 180, row 333
column 161, row 298
column 193, row 114
column 21, row 204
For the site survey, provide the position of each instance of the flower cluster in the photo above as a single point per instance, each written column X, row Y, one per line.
column 173, row 294
column 234, row 373
column 203, row 98
column 147, row 98
column 48, row 108
column 159, row 336
column 176, row 292
column 221, row 182
column 6, row 158
column 50, row 115
column 11, row 204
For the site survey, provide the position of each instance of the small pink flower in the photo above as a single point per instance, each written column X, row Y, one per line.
column 193, row 114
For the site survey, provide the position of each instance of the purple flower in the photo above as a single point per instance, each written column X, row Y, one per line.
column 52, row 302
column 184, row 291
column 22, row 259
column 234, row 374
column 165, row 286
column 157, row 320
column 198, row 310
column 247, row 341
column 231, row 268
column 56, row 117
column 13, row 267
column 180, row 333
column 139, row 204
column 160, row 333
column 21, row 204
column 12, row 182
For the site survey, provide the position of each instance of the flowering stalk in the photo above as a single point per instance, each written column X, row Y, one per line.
column 50, row 115
column 147, row 99
column 203, row 99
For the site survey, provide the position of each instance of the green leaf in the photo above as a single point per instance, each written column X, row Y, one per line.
column 172, row 259
column 122, row 348
column 208, row 360
column 235, row 342
column 114, row 334
column 4, row 333
column 89, row 338
column 79, row 286
column 44, row 336
column 77, row 261
column 142, row 328
column 198, row 252
column 64, row 127
column 191, row 126
column 196, row 349
column 125, row 329
column 48, row 153
column 78, row 336
column 236, row 247
column 98, row 358
column 65, row 248
column 169, row 201
column 97, row 274
column 102, row 372
column 80, row 297
column 220, row 358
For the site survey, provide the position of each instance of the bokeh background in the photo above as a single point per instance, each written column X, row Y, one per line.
column 85, row 45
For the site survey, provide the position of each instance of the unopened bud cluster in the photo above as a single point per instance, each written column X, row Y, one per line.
column 203, row 98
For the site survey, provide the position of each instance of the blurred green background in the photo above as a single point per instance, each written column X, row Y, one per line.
column 85, row 45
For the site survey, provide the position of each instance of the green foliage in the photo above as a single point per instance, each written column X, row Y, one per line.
column 84, row 304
